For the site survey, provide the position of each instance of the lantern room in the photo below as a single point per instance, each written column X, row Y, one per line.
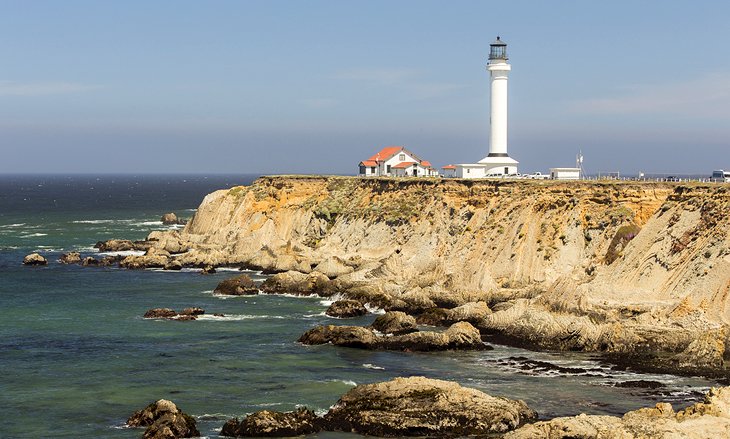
column 498, row 50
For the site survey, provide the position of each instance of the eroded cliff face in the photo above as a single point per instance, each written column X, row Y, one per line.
column 573, row 265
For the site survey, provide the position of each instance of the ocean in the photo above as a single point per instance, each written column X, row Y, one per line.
column 77, row 358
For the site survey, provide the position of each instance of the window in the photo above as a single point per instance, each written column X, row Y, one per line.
column 468, row 170
column 372, row 169
column 402, row 157
column 387, row 169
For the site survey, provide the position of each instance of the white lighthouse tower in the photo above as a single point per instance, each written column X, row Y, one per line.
column 498, row 160
column 498, row 163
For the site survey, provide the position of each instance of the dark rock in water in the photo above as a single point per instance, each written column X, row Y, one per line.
column 70, row 258
column 34, row 259
column 395, row 322
column 419, row 406
column 170, row 219
column 346, row 309
column 107, row 261
column 184, row 317
column 267, row 423
column 160, row 313
column 459, row 336
column 194, row 311
column 219, row 315
column 89, row 260
column 208, row 269
column 122, row 245
column 164, row 421
column 642, row 384
column 174, row 265
column 294, row 282
column 241, row 285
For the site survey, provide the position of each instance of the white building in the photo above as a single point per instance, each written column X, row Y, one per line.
column 396, row 161
column 448, row 171
column 498, row 163
column 565, row 173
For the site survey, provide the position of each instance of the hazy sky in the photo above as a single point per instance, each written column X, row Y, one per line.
column 316, row 86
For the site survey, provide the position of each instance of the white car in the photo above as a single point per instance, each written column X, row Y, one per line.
column 539, row 176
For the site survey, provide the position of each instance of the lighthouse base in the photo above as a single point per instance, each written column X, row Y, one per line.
column 488, row 167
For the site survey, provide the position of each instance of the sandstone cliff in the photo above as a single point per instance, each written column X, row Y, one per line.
column 614, row 267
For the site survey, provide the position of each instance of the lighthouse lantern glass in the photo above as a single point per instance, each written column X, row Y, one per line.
column 498, row 51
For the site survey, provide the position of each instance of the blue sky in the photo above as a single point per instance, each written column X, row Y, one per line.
column 316, row 86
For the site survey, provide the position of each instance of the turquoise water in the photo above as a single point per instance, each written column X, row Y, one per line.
column 77, row 358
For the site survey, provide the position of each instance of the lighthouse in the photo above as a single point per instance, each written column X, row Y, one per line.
column 497, row 163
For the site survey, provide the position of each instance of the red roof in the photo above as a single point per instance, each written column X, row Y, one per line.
column 369, row 163
column 449, row 167
column 426, row 163
column 403, row 165
column 386, row 153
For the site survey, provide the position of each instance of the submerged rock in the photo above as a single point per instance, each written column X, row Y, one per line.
column 419, row 406
column 160, row 313
column 346, row 309
column 90, row 261
column 395, row 322
column 241, row 285
column 347, row 336
column 193, row 311
column 164, row 421
column 70, row 258
column 267, row 423
column 34, row 259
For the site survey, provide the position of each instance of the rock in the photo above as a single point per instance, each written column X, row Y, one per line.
column 472, row 312
column 267, row 423
column 153, row 260
column 174, row 265
column 346, row 309
column 333, row 267
column 640, row 384
column 107, row 261
column 460, row 336
column 160, row 313
column 419, row 406
column 395, row 322
column 294, row 282
column 70, row 258
column 122, row 245
column 347, row 336
column 171, row 218
column 194, row 311
column 90, row 261
column 34, row 259
column 434, row 317
column 170, row 241
column 241, row 285
column 708, row 419
column 164, row 421
column 707, row 351
column 208, row 269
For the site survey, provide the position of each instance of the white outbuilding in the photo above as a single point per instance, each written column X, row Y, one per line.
column 565, row 173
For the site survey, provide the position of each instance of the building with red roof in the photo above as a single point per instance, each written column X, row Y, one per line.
column 396, row 161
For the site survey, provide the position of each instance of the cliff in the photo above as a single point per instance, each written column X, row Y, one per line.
column 614, row 267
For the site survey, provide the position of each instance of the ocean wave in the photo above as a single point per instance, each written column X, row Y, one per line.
column 345, row 382
column 372, row 366
column 11, row 226
column 319, row 314
column 214, row 417
column 104, row 221
column 236, row 317
column 294, row 296
column 85, row 248
column 33, row 235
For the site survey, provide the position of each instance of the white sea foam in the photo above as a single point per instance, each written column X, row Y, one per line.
column 372, row 366
column 227, row 269
column 295, row 296
column 99, row 221
column 236, row 317
column 11, row 226
column 373, row 309
column 33, row 235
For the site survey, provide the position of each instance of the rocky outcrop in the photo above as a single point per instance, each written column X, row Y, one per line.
column 395, row 322
column 299, row 284
column 346, row 309
column 70, row 258
column 164, row 421
column 153, row 258
column 418, row 406
column 708, row 419
column 121, row 245
column 241, row 285
column 171, row 219
column 591, row 266
column 459, row 336
column 171, row 314
column 266, row 423
column 34, row 259
column 90, row 261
